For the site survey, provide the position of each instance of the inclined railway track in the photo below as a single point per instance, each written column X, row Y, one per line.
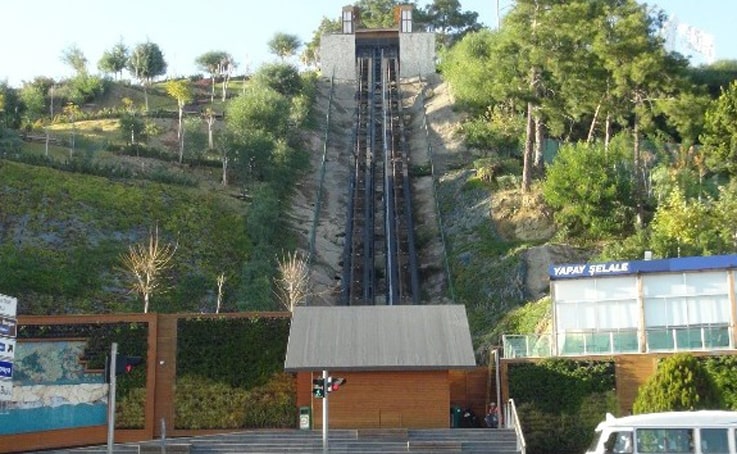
column 380, row 260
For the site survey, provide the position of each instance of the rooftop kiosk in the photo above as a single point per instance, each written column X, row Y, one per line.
column 644, row 306
column 640, row 306
column 406, row 40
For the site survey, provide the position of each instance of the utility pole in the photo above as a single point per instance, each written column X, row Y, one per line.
column 325, row 413
column 112, row 373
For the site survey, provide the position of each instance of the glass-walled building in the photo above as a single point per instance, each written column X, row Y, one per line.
column 680, row 304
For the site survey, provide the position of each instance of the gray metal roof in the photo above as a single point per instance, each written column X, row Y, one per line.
column 379, row 338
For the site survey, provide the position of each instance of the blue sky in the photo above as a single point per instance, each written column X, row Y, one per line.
column 34, row 33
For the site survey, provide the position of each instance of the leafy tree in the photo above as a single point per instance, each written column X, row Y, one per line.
column 725, row 217
column 449, row 22
column 75, row 58
column 311, row 54
column 11, row 108
column 252, row 152
column 681, row 382
column 471, row 69
column 254, row 123
column 196, row 144
column 280, row 77
column 181, row 90
column 84, row 88
column 146, row 62
column 72, row 112
column 723, row 369
column 284, row 45
column 260, row 108
column 132, row 128
column 640, row 71
column 715, row 76
column 720, row 132
column 33, row 98
column 377, row 13
column 685, row 112
column 590, row 190
column 215, row 63
column 683, row 227
column 114, row 61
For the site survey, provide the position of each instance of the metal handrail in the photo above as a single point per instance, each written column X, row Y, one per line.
column 511, row 420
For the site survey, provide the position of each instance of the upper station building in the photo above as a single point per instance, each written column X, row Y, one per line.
column 641, row 306
column 407, row 41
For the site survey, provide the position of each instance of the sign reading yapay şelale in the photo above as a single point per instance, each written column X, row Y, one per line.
column 8, row 332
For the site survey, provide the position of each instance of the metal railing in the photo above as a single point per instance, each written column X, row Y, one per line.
column 511, row 421
column 588, row 343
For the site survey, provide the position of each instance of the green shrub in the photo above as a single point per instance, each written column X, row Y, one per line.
column 208, row 404
column 681, row 382
column 201, row 403
column 561, row 401
column 281, row 77
column 590, row 189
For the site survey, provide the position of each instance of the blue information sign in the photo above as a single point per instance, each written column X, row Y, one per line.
column 6, row 369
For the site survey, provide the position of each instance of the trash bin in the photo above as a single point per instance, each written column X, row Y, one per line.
column 305, row 418
column 455, row 417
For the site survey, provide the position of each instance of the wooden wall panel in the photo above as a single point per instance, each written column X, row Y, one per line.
column 472, row 388
column 53, row 439
column 165, row 365
column 399, row 399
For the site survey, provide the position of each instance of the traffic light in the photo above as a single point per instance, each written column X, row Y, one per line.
column 123, row 365
column 334, row 383
column 318, row 388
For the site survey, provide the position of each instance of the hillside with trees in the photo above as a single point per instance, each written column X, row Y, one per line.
column 576, row 111
column 581, row 138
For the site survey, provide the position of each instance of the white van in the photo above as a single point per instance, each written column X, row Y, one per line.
column 697, row 432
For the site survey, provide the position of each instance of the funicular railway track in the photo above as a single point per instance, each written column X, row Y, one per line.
column 380, row 261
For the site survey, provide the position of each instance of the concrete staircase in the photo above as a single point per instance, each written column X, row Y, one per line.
column 493, row 441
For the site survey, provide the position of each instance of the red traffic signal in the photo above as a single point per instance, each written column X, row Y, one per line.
column 123, row 364
column 334, row 383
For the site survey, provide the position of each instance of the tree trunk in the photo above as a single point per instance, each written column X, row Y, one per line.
column 145, row 94
column 225, row 171
column 527, row 156
column 181, row 149
column 225, row 85
column 607, row 132
column 71, row 144
column 639, row 174
column 590, row 137
column 212, row 91
column 179, row 125
column 539, row 143
column 210, row 122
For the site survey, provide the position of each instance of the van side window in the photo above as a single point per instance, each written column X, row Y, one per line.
column 670, row 441
column 620, row 443
column 714, row 441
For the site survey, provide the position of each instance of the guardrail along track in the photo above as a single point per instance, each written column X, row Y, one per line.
column 380, row 261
